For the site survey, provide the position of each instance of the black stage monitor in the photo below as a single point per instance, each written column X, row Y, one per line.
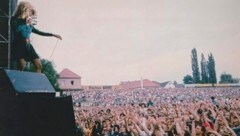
column 18, row 82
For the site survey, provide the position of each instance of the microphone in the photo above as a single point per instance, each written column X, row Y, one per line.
column 32, row 20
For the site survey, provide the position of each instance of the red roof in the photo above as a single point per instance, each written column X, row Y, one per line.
column 137, row 84
column 66, row 73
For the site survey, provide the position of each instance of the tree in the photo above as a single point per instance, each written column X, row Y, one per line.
column 236, row 80
column 204, row 70
column 195, row 68
column 211, row 69
column 188, row 79
column 48, row 70
column 226, row 78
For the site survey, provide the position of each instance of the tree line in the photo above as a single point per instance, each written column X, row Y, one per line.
column 208, row 71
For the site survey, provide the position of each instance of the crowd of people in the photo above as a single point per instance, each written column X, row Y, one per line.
column 158, row 112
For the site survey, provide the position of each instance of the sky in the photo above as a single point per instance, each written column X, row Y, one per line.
column 109, row 41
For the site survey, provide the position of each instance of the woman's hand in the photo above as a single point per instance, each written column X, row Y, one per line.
column 57, row 36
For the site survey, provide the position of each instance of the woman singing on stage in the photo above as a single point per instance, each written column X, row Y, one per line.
column 22, row 25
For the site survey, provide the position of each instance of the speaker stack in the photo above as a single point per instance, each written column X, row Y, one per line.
column 28, row 106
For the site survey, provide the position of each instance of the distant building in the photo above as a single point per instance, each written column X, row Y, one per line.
column 69, row 81
column 179, row 85
column 167, row 85
column 210, row 85
column 145, row 83
column 99, row 87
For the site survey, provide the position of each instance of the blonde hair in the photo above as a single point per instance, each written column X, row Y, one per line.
column 24, row 10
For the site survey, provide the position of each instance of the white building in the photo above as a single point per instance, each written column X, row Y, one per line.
column 167, row 85
column 69, row 81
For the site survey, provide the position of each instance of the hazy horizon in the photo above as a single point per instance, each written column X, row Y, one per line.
column 106, row 42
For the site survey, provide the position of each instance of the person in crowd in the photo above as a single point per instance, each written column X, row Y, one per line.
column 97, row 129
column 192, row 113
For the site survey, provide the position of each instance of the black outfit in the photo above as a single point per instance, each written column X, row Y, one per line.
column 21, row 47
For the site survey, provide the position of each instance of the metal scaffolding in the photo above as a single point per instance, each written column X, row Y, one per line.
column 6, row 9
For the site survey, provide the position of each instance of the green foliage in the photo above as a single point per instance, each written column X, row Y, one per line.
column 227, row 78
column 204, row 70
column 47, row 69
column 188, row 79
column 211, row 69
column 51, row 73
column 236, row 80
column 195, row 67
